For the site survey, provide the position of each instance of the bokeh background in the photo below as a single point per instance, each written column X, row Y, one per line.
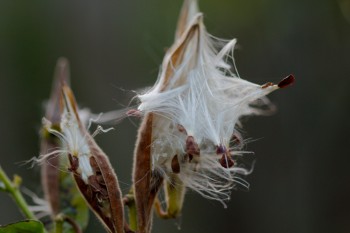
column 301, row 182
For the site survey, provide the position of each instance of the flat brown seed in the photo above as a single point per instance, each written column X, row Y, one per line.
column 220, row 150
column 226, row 162
column 175, row 166
column 191, row 146
column 74, row 163
column 181, row 129
column 237, row 140
column 286, row 81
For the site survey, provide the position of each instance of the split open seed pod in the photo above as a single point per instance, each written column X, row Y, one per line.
column 59, row 189
column 91, row 169
column 192, row 117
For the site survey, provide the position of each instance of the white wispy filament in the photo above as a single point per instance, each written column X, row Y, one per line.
column 197, row 111
column 74, row 140
column 73, row 143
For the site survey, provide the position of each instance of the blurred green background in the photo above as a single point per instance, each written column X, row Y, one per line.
column 301, row 182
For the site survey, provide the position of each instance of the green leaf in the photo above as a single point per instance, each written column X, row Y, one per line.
column 27, row 226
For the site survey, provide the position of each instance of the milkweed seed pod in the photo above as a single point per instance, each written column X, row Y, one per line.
column 91, row 169
column 191, row 115
column 59, row 189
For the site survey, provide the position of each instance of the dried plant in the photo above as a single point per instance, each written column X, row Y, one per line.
column 189, row 138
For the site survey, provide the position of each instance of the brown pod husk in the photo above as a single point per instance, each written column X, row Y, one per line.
column 146, row 182
column 60, row 192
column 101, row 189
column 48, row 143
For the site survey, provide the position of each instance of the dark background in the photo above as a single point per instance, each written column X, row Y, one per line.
column 301, row 180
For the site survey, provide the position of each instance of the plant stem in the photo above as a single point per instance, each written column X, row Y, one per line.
column 129, row 200
column 12, row 188
column 60, row 219
column 132, row 217
column 59, row 224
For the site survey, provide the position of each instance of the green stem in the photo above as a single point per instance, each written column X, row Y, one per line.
column 59, row 224
column 60, row 219
column 132, row 217
column 12, row 188
column 130, row 202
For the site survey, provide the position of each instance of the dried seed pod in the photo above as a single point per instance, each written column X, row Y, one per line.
column 188, row 11
column 91, row 168
column 59, row 189
column 196, row 104
column 146, row 182
column 50, row 176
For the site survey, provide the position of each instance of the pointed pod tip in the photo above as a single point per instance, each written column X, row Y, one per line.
column 62, row 61
column 62, row 72
column 196, row 19
column 69, row 101
column 287, row 81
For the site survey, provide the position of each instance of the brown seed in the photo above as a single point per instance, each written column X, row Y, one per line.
column 74, row 163
column 237, row 140
column 181, row 129
column 286, row 81
column 226, row 161
column 100, row 179
column 220, row 149
column 96, row 187
column 175, row 166
column 191, row 146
